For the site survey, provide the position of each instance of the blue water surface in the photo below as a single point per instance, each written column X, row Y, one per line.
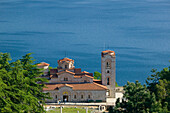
column 137, row 30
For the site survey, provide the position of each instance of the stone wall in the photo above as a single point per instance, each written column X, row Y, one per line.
column 81, row 96
column 71, row 79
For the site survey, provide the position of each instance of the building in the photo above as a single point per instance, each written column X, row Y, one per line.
column 45, row 68
column 67, row 83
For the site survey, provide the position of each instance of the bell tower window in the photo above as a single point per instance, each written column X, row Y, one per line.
column 107, row 64
column 108, row 81
column 65, row 66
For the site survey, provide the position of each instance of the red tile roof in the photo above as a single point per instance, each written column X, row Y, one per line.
column 108, row 51
column 85, row 72
column 43, row 64
column 77, row 76
column 85, row 86
column 66, row 72
column 89, row 76
column 65, row 59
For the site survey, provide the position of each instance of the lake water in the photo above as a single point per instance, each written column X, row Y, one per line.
column 137, row 30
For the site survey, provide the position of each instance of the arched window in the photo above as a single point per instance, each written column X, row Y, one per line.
column 108, row 81
column 89, row 96
column 74, row 96
column 81, row 96
column 56, row 96
column 108, row 71
column 107, row 64
column 65, row 66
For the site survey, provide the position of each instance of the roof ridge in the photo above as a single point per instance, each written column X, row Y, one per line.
column 100, row 85
column 66, row 72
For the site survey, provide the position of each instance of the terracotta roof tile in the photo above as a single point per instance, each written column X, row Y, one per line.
column 108, row 51
column 89, row 76
column 66, row 72
column 52, row 86
column 85, row 86
column 85, row 72
column 77, row 76
column 65, row 59
column 43, row 64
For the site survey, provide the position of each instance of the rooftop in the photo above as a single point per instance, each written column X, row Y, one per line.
column 43, row 64
column 85, row 86
column 108, row 51
column 65, row 60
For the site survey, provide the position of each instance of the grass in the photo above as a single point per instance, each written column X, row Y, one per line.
column 69, row 110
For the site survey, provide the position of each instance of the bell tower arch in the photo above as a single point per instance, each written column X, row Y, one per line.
column 108, row 70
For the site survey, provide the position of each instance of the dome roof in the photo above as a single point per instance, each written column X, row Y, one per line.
column 65, row 59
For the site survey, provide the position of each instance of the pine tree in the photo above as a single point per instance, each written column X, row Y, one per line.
column 19, row 88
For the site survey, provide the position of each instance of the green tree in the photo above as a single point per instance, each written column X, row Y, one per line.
column 136, row 99
column 19, row 88
column 97, row 75
column 159, row 83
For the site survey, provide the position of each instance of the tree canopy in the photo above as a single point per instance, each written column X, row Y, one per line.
column 150, row 98
column 19, row 88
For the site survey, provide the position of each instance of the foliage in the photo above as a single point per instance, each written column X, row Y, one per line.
column 97, row 75
column 111, row 109
column 159, row 83
column 19, row 88
column 116, row 85
column 153, row 98
column 137, row 98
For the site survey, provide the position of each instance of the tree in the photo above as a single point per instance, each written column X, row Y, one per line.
column 137, row 98
column 159, row 83
column 19, row 88
column 97, row 75
column 151, row 98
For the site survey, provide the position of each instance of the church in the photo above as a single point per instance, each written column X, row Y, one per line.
column 67, row 83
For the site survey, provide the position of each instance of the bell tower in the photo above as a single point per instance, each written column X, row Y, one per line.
column 108, row 69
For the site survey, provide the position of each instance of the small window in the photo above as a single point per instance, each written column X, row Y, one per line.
column 85, row 80
column 108, row 71
column 65, row 79
column 107, row 64
column 108, row 81
column 82, row 96
column 65, row 66
column 74, row 96
column 56, row 96
column 88, row 96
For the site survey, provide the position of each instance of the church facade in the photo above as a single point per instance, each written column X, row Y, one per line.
column 67, row 83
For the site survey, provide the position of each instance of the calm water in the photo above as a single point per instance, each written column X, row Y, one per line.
column 137, row 30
